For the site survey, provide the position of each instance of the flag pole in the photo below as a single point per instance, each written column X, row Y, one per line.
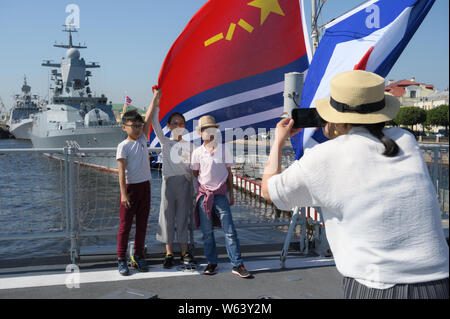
column 124, row 109
column 314, row 29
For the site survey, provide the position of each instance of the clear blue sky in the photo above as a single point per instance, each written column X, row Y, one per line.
column 131, row 38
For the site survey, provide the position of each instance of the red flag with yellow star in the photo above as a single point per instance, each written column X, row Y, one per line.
column 230, row 62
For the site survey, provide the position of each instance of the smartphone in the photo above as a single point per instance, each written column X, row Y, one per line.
column 307, row 117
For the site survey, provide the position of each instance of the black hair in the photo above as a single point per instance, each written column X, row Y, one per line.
column 132, row 116
column 173, row 115
column 376, row 130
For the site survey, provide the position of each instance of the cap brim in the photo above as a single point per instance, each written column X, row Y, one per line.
column 198, row 128
column 330, row 114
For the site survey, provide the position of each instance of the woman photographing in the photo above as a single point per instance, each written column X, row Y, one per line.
column 380, row 208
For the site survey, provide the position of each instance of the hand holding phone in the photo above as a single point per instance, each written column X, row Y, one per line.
column 307, row 117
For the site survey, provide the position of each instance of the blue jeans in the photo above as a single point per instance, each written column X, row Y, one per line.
column 222, row 208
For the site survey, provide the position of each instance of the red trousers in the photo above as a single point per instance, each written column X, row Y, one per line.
column 139, row 196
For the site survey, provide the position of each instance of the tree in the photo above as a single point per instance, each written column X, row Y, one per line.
column 438, row 116
column 410, row 116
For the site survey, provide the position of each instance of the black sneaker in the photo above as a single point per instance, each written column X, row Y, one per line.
column 168, row 261
column 241, row 271
column 187, row 258
column 210, row 269
column 123, row 267
column 139, row 263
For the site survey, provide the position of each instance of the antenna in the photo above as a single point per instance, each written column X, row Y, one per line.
column 70, row 45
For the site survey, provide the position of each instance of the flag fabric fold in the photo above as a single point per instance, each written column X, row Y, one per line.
column 230, row 61
column 370, row 37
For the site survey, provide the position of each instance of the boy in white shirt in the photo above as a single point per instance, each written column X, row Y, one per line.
column 134, row 180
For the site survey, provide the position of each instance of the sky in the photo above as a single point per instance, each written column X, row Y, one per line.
column 130, row 40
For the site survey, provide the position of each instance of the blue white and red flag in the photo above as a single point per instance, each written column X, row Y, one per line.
column 128, row 100
column 370, row 37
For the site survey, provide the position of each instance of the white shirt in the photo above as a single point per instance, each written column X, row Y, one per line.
column 138, row 163
column 213, row 168
column 381, row 213
column 176, row 155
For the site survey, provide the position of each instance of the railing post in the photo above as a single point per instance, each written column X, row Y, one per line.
column 304, row 247
column 287, row 241
column 66, row 190
column 74, row 254
column 436, row 169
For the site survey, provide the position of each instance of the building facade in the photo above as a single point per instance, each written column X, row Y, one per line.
column 410, row 92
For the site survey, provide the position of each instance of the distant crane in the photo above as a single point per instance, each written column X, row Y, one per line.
column 3, row 112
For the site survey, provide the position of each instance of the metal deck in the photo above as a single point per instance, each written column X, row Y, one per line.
column 305, row 277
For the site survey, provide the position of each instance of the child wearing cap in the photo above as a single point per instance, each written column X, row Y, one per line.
column 211, row 163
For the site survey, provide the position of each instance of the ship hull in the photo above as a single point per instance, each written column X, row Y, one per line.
column 98, row 137
column 22, row 129
column 83, row 137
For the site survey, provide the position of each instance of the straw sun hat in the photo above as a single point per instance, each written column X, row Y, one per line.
column 205, row 122
column 358, row 97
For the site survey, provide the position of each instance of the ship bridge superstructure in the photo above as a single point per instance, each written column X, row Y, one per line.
column 73, row 113
column 25, row 104
column 70, row 82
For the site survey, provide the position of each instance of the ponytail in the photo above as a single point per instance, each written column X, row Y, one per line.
column 376, row 130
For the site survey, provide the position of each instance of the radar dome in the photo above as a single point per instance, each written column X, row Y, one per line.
column 73, row 53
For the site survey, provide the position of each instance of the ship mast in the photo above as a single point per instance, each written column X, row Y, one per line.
column 316, row 9
column 70, row 45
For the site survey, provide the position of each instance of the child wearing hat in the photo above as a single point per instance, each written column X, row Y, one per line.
column 211, row 163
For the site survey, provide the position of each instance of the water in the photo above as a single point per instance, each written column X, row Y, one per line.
column 32, row 201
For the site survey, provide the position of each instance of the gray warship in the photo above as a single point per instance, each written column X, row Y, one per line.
column 20, row 117
column 73, row 115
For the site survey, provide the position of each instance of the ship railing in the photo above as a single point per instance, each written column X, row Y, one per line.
column 437, row 159
column 70, row 201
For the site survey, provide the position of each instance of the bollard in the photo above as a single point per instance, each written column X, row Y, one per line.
column 293, row 86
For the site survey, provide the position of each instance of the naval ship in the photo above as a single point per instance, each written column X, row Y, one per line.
column 73, row 115
column 20, row 116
